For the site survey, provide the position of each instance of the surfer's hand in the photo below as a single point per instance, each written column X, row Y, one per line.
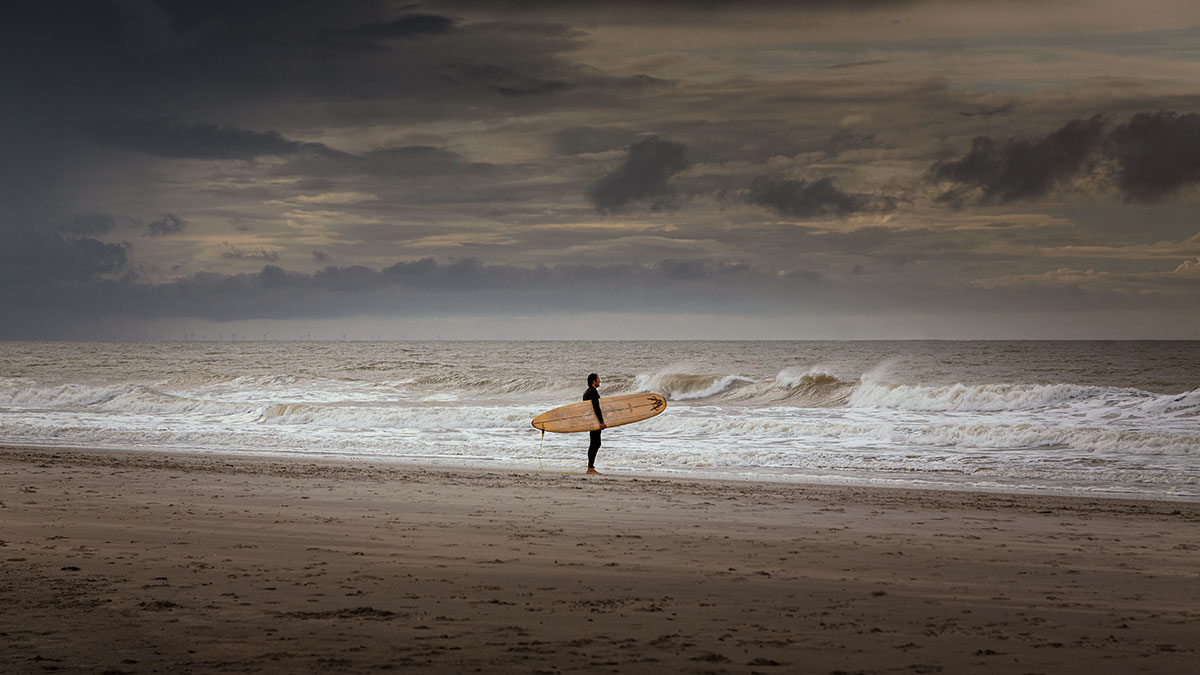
column 603, row 426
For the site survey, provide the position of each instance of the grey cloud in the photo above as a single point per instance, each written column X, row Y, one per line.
column 412, row 160
column 1018, row 169
column 389, row 233
column 380, row 34
column 634, row 8
column 990, row 112
column 807, row 276
column 844, row 140
column 90, row 223
column 392, row 79
column 586, row 140
column 407, row 26
column 471, row 275
column 700, row 270
column 863, row 239
column 1157, row 154
column 397, row 162
column 428, row 288
column 166, row 225
column 805, row 199
column 235, row 253
column 643, row 175
column 198, row 141
column 145, row 26
column 364, row 58
column 418, row 287
column 505, row 81
column 31, row 257
column 1154, row 156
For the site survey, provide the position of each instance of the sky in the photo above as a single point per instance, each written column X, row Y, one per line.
column 868, row 169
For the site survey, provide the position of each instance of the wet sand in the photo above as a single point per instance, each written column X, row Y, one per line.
column 124, row 562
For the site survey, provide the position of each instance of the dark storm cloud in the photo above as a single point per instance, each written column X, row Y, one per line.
column 644, row 175
column 90, row 223
column 92, row 58
column 426, row 287
column 557, row 99
column 635, row 7
column 377, row 35
column 1157, row 154
column 505, row 81
column 198, row 141
column 167, row 225
column 407, row 26
column 420, row 287
column 29, row 258
column 805, row 199
column 1006, row 171
column 1153, row 156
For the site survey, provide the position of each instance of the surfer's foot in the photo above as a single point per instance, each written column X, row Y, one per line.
column 592, row 469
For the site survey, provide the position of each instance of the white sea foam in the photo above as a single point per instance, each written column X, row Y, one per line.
column 790, row 378
column 981, row 397
column 679, row 383
column 960, row 414
column 23, row 393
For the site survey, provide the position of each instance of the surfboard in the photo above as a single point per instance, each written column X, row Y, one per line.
column 617, row 410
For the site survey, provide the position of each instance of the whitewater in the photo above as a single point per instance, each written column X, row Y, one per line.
column 1092, row 418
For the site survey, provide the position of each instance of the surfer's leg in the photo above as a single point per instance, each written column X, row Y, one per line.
column 593, row 448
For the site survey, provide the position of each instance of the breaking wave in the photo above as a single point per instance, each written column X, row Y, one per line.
column 1090, row 443
column 15, row 392
column 964, row 397
column 1013, row 397
column 894, row 412
column 424, row 418
column 689, row 387
column 471, row 386
column 807, row 388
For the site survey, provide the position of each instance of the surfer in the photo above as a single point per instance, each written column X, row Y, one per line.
column 593, row 381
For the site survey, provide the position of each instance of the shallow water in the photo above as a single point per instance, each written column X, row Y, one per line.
column 1100, row 418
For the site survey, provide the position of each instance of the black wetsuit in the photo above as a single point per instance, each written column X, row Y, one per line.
column 594, row 396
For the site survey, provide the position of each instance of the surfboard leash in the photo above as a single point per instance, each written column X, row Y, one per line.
column 541, row 468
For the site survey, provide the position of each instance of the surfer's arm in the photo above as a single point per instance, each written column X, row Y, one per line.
column 595, row 398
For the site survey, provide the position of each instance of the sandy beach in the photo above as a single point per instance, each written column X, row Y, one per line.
column 134, row 562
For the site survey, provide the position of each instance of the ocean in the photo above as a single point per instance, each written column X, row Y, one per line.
column 1117, row 419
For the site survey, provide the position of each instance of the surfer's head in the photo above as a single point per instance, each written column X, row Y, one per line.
column 593, row 380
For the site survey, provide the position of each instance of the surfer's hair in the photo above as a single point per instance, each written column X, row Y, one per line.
column 592, row 377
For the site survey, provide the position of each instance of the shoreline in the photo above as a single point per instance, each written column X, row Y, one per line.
column 431, row 463
column 143, row 561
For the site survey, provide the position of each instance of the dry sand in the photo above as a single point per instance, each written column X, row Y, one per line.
column 141, row 562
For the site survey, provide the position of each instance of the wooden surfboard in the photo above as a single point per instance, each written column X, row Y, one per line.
column 617, row 410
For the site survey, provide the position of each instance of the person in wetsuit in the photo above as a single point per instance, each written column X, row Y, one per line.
column 593, row 381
